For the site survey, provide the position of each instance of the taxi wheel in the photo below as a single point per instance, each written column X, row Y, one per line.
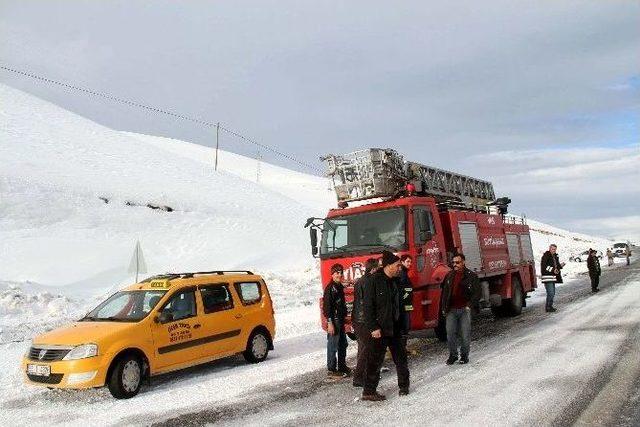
column 257, row 347
column 126, row 377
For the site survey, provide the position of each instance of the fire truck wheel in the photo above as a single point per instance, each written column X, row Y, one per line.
column 514, row 305
column 441, row 330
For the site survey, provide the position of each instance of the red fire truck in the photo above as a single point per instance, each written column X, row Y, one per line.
column 385, row 203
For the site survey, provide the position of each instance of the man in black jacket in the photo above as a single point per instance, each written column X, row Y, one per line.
column 550, row 267
column 593, row 265
column 334, row 308
column 460, row 293
column 357, row 319
column 382, row 321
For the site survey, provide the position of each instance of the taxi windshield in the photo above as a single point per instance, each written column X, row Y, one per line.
column 125, row 306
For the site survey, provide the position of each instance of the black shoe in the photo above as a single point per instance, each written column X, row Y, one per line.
column 345, row 370
column 336, row 374
column 403, row 391
column 595, row 290
column 374, row 397
column 452, row 359
column 551, row 310
column 358, row 384
column 464, row 360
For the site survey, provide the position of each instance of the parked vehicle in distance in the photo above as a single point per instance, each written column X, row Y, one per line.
column 162, row 324
column 582, row 256
column 620, row 249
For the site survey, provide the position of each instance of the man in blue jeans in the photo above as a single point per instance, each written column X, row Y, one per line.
column 460, row 293
column 334, row 308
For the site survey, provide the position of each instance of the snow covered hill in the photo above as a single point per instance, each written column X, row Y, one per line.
column 74, row 196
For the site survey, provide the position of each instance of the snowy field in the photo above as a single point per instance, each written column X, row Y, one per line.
column 73, row 202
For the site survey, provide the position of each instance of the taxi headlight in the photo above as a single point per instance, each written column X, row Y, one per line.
column 82, row 352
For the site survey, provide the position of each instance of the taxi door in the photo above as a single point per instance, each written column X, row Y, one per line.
column 221, row 320
column 177, row 330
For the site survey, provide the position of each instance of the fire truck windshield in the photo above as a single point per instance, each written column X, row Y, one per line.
column 364, row 231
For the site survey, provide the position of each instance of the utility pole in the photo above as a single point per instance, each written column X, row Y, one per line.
column 217, row 144
column 258, row 167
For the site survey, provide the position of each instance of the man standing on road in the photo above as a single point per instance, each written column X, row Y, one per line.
column 357, row 319
column 593, row 264
column 460, row 292
column 627, row 253
column 382, row 320
column 406, row 295
column 550, row 267
column 610, row 257
column 334, row 308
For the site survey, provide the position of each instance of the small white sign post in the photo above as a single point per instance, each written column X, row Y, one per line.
column 137, row 264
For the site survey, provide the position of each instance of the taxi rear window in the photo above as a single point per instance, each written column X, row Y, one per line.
column 250, row 292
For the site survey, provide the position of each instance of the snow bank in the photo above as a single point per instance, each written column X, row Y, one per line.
column 27, row 310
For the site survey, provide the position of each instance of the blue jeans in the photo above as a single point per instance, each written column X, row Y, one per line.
column 459, row 330
column 337, row 344
column 551, row 292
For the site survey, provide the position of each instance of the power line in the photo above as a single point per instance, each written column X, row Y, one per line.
column 157, row 110
column 267, row 148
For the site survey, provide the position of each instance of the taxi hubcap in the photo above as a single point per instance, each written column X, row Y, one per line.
column 259, row 346
column 131, row 376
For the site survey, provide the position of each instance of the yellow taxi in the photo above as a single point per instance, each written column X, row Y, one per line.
column 161, row 324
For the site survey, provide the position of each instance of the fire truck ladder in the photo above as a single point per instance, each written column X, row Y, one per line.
column 449, row 185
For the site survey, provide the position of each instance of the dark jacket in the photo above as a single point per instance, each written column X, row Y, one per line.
column 593, row 264
column 357, row 314
column 549, row 264
column 406, row 291
column 381, row 304
column 334, row 306
column 470, row 285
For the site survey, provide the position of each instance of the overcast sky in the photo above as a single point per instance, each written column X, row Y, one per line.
column 541, row 97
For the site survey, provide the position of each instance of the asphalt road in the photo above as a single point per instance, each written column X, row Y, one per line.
column 613, row 398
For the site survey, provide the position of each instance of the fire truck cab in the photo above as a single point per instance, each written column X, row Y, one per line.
column 385, row 203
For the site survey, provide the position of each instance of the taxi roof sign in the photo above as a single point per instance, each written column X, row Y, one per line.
column 160, row 283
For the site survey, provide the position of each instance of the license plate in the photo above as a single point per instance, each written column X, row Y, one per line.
column 39, row 370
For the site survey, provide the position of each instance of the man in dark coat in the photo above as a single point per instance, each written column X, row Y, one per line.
column 357, row 319
column 382, row 321
column 460, row 293
column 593, row 264
column 550, row 267
column 334, row 308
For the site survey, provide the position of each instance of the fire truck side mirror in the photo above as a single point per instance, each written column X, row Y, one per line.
column 313, row 235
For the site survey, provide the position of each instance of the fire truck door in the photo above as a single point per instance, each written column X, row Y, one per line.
column 424, row 237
